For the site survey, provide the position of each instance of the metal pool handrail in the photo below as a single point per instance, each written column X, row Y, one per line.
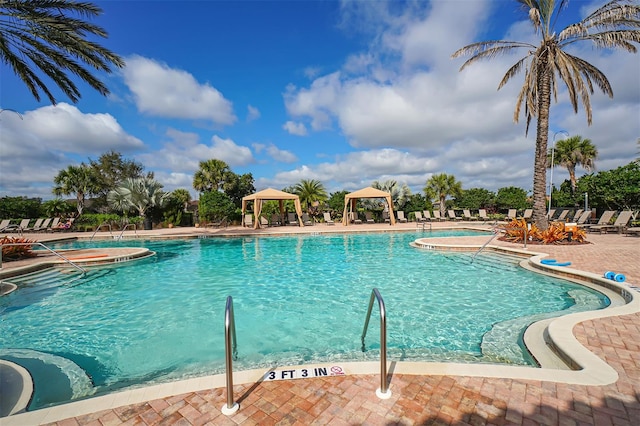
column 383, row 392
column 231, row 353
column 80, row 268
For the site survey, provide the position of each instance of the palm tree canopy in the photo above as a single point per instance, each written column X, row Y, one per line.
column 399, row 193
column 440, row 186
column 211, row 175
column 54, row 37
column 310, row 191
column 77, row 180
column 137, row 193
column 574, row 151
column 614, row 25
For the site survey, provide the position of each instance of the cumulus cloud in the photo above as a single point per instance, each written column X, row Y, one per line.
column 35, row 148
column 298, row 129
column 162, row 91
column 253, row 113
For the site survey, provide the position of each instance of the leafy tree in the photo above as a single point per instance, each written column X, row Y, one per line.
column 476, row 198
column 20, row 207
column 399, row 193
column 572, row 152
column 176, row 206
column 416, row 202
column 210, row 175
column 440, row 186
column 336, row 201
column 238, row 186
column 511, row 197
column 215, row 206
column 110, row 169
column 613, row 189
column 77, row 180
column 310, row 191
column 54, row 37
column 140, row 194
column 614, row 25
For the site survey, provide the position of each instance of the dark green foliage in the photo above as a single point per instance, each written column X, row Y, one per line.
column 476, row 198
column 617, row 189
column 416, row 202
column 215, row 206
column 238, row 186
column 511, row 197
column 110, row 169
column 336, row 201
column 20, row 208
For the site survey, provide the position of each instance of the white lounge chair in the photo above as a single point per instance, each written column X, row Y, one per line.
column 621, row 222
column 452, row 215
column 369, row 217
column 466, row 214
column 419, row 217
column 401, row 217
column 327, row 218
column 248, row 221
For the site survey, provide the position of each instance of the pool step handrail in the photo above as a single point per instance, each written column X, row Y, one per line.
column 423, row 225
column 384, row 392
column 100, row 226
column 124, row 228
column 230, row 353
column 66, row 260
column 493, row 235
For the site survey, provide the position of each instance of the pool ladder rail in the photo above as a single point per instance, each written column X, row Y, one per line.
column 231, row 350
column 115, row 237
column 36, row 243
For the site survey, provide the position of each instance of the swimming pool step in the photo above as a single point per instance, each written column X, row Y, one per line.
column 46, row 278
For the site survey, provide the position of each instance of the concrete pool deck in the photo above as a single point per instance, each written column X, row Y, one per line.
column 477, row 396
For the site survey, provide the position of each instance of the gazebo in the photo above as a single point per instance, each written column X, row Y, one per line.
column 368, row 192
column 270, row 194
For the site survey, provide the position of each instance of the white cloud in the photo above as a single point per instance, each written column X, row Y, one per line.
column 173, row 93
column 281, row 155
column 298, row 129
column 34, row 149
column 253, row 113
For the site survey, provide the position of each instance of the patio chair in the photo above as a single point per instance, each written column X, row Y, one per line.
column 621, row 222
column 426, row 215
column 385, row 217
column 36, row 226
column 327, row 218
column 401, row 218
column 275, row 220
column 4, row 224
column 452, row 215
column 528, row 213
column 353, row 218
column 248, row 221
column 466, row 214
column 24, row 224
column 54, row 224
column 604, row 219
column 292, row 219
column 563, row 215
column 264, row 222
column 482, row 214
column 634, row 230
column 306, row 220
column 419, row 217
column 577, row 215
column 512, row 214
column 44, row 225
column 436, row 215
column 583, row 218
column 551, row 213
column 369, row 217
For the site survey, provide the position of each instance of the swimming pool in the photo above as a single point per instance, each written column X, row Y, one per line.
column 297, row 300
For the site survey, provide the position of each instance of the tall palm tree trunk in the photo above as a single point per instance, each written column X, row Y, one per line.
column 539, row 216
column 572, row 178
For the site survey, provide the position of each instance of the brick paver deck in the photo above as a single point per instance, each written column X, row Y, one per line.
column 435, row 399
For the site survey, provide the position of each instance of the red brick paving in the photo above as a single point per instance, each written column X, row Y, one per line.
column 437, row 400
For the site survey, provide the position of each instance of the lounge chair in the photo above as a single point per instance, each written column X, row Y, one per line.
column 512, row 214
column 634, row 230
column 452, row 215
column 369, row 217
column 353, row 218
column 419, row 217
column 385, row 217
column 466, row 214
column 563, row 215
column 528, row 213
column 482, row 214
column 36, row 226
column 275, row 220
column 248, row 221
column 24, row 224
column 436, row 215
column 621, row 222
column 551, row 213
column 54, row 224
column 401, row 218
column 327, row 218
column 44, row 226
column 263, row 222
column 293, row 221
column 4, row 224
column 306, row 219
column 216, row 223
column 604, row 219
column 584, row 217
column 426, row 215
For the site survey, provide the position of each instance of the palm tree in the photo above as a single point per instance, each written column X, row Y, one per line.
column 399, row 193
column 310, row 191
column 572, row 152
column 441, row 186
column 52, row 36
column 140, row 194
column 613, row 25
column 77, row 180
column 210, row 176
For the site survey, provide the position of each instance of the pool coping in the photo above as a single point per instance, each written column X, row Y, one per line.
column 590, row 369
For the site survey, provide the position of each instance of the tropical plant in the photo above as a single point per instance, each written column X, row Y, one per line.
column 215, row 206
column 176, row 205
column 615, row 189
column 572, row 152
column 440, row 186
column 54, row 37
column 15, row 252
column 476, row 198
column 399, row 193
column 312, row 194
column 614, row 25
column 110, row 169
column 140, row 194
column 56, row 207
column 77, row 180
column 15, row 207
column 511, row 197
column 238, row 186
column 210, row 175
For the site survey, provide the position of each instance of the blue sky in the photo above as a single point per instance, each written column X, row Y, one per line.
column 343, row 92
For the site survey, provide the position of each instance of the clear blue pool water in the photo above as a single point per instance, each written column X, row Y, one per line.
column 297, row 299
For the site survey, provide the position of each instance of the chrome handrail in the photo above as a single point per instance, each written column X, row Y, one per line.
column 423, row 224
column 231, row 353
column 383, row 392
column 124, row 228
column 81, row 269
column 100, row 226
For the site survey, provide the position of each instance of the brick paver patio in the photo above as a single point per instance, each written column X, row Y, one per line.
column 435, row 399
